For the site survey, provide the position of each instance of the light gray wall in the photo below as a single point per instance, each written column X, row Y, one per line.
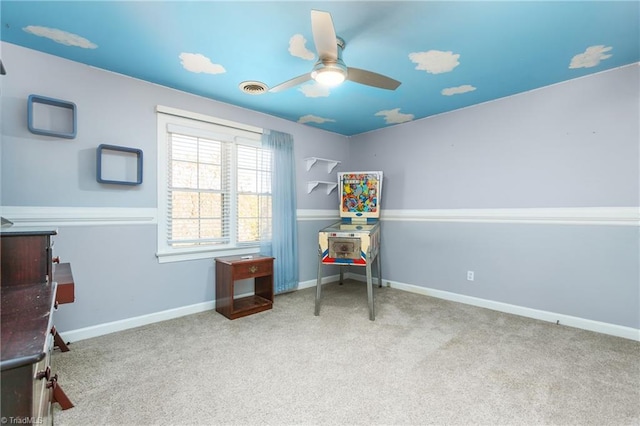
column 308, row 253
column 115, row 268
column 574, row 144
column 570, row 145
column 583, row 271
column 118, row 276
column 117, row 110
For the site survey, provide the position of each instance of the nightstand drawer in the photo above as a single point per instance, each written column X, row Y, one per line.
column 252, row 269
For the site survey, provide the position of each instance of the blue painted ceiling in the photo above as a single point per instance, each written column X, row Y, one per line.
column 447, row 55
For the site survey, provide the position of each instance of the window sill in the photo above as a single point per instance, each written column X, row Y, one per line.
column 168, row 257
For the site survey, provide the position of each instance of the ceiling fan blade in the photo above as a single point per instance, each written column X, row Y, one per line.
column 372, row 79
column 291, row 83
column 324, row 35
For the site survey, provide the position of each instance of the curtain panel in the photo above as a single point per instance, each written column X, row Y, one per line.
column 283, row 245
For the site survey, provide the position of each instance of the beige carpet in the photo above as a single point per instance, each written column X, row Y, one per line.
column 422, row 361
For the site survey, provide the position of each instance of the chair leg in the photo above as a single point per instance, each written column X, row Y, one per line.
column 318, row 284
column 58, row 394
column 379, row 270
column 57, row 340
column 372, row 314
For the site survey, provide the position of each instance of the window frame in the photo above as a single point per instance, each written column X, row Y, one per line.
column 225, row 130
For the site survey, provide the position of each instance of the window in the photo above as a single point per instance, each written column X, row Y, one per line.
column 214, row 187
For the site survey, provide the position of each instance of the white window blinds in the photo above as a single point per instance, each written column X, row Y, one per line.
column 253, row 194
column 216, row 193
column 199, row 191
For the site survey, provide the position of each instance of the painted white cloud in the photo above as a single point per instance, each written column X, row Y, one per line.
column 394, row 116
column 314, row 90
column 435, row 61
column 449, row 91
column 198, row 63
column 59, row 36
column 591, row 57
column 313, row 119
column 298, row 48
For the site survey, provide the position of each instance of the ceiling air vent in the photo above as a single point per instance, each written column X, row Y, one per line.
column 253, row 87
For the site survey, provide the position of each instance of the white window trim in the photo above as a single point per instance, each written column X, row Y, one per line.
column 208, row 119
column 166, row 115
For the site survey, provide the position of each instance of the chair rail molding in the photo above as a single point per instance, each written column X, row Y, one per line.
column 317, row 214
column 79, row 216
column 629, row 216
column 88, row 216
column 626, row 216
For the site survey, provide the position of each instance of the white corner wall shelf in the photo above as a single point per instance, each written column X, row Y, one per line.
column 331, row 164
column 330, row 186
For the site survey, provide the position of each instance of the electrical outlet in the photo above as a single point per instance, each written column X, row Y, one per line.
column 470, row 275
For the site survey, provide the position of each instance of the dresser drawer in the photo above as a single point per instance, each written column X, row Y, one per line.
column 42, row 392
column 26, row 391
column 252, row 269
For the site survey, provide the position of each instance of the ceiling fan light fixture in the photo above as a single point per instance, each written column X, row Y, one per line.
column 331, row 74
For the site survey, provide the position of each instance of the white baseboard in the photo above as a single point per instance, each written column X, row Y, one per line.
column 576, row 322
column 125, row 324
column 568, row 320
column 325, row 280
column 561, row 319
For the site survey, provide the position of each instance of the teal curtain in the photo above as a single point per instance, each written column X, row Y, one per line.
column 284, row 237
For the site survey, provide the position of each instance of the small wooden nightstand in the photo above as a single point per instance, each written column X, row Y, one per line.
column 232, row 268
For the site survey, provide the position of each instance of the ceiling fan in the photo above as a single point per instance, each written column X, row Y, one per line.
column 330, row 70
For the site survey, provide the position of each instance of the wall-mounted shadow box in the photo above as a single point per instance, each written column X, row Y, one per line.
column 118, row 165
column 51, row 117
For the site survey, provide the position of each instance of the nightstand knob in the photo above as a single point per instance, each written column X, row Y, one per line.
column 253, row 269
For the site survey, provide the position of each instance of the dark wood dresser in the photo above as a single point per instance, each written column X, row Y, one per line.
column 29, row 292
